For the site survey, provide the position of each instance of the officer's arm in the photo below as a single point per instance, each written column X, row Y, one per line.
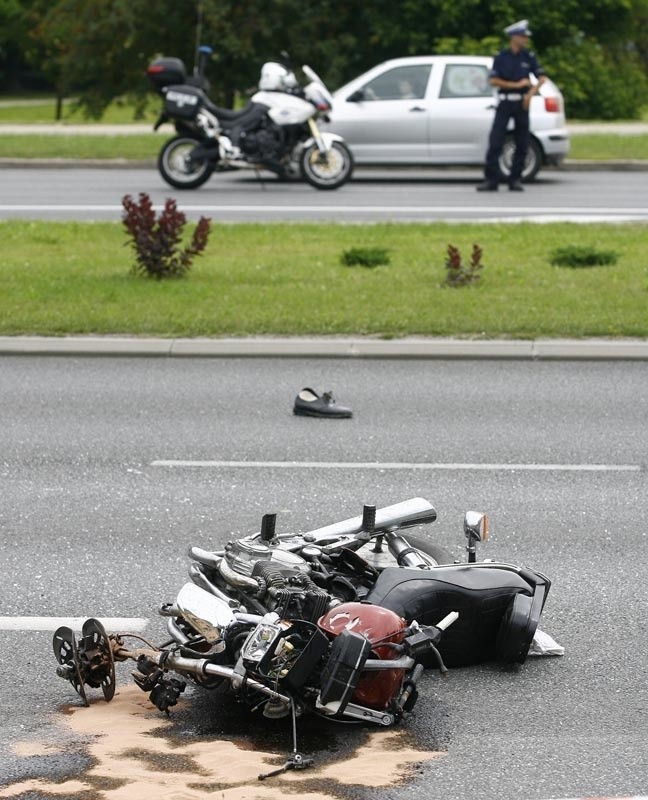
column 503, row 84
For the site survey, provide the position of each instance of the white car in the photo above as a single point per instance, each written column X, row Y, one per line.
column 437, row 110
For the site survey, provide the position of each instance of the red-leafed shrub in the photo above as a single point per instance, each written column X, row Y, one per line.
column 456, row 273
column 157, row 242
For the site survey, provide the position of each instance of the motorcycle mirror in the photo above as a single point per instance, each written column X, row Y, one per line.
column 356, row 97
column 207, row 614
column 475, row 526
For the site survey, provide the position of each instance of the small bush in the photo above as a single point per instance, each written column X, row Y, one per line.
column 456, row 273
column 580, row 256
column 157, row 242
column 365, row 257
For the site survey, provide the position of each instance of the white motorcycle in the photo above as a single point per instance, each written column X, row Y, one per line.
column 277, row 130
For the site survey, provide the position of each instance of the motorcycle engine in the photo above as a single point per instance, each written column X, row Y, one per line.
column 243, row 554
column 283, row 578
column 264, row 144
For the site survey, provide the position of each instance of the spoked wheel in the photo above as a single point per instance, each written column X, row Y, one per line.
column 432, row 553
column 327, row 170
column 177, row 166
column 532, row 163
column 87, row 662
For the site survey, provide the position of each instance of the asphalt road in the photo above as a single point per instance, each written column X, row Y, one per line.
column 90, row 526
column 373, row 195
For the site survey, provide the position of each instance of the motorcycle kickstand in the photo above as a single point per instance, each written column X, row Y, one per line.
column 296, row 760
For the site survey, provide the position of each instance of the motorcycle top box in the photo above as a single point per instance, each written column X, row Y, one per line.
column 165, row 72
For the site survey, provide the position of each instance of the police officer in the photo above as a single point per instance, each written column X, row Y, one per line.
column 510, row 74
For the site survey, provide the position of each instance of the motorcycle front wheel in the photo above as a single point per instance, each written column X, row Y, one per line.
column 178, row 168
column 327, row 170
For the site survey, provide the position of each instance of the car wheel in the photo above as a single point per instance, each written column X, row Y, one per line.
column 532, row 163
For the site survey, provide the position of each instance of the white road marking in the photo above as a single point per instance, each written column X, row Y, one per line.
column 117, row 624
column 399, row 465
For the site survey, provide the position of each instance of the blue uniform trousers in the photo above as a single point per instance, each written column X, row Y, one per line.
column 506, row 110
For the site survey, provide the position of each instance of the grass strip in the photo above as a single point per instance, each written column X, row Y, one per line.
column 586, row 147
column 75, row 278
column 131, row 147
column 608, row 147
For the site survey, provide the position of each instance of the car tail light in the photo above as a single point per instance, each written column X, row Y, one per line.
column 552, row 104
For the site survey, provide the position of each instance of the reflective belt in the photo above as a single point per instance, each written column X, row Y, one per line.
column 506, row 96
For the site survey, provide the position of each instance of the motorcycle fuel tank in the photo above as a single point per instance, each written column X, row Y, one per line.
column 285, row 109
column 379, row 626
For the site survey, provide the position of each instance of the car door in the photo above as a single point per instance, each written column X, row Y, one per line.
column 462, row 106
column 385, row 120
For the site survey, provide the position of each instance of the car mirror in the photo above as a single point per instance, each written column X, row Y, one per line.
column 357, row 97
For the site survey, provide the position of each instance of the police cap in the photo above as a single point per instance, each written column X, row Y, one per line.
column 519, row 28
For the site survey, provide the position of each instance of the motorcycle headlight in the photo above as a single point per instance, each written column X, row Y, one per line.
column 259, row 641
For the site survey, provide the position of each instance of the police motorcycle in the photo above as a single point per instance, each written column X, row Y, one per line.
column 338, row 622
column 277, row 129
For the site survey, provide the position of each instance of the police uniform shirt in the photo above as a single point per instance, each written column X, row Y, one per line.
column 510, row 66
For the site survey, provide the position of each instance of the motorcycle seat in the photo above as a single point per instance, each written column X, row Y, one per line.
column 228, row 115
column 499, row 607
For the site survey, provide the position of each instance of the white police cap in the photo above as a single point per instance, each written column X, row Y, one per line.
column 519, row 28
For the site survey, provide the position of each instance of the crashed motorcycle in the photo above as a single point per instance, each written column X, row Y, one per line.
column 368, row 559
column 277, row 129
column 316, row 628
column 356, row 663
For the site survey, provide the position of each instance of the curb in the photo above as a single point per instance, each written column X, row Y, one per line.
column 303, row 347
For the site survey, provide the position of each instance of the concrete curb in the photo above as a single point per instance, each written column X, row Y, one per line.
column 334, row 347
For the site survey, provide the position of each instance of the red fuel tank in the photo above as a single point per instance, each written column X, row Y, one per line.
column 378, row 625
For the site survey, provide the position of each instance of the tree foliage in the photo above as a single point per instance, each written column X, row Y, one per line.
column 597, row 51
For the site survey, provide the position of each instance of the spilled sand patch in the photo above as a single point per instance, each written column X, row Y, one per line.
column 131, row 758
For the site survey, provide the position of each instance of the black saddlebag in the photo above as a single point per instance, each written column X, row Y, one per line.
column 499, row 607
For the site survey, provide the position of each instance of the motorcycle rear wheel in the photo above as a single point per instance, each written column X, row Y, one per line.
column 327, row 171
column 434, row 554
column 176, row 167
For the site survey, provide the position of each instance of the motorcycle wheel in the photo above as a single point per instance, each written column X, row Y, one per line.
column 327, row 171
column 433, row 554
column 175, row 166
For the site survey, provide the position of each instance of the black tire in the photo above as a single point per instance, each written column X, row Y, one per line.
column 175, row 167
column 532, row 164
column 328, row 171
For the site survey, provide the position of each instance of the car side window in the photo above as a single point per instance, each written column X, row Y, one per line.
column 465, row 80
column 400, row 83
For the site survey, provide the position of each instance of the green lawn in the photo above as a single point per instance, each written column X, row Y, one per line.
column 43, row 111
column 60, row 278
column 146, row 146
column 608, row 146
column 131, row 147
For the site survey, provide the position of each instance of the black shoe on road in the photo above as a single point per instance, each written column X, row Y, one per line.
column 487, row 186
column 309, row 404
column 516, row 186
